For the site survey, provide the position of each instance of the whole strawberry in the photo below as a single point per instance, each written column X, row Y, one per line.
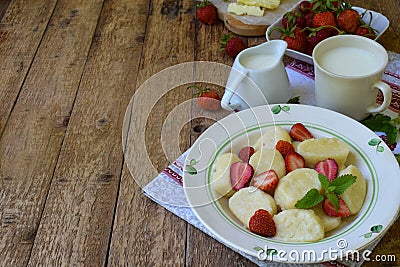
column 305, row 7
column 207, row 13
column 262, row 223
column 324, row 19
column 366, row 30
column 208, row 99
column 232, row 45
column 294, row 37
column 315, row 36
column 292, row 18
column 348, row 20
column 309, row 19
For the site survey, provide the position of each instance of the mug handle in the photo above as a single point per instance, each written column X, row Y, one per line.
column 231, row 87
column 387, row 97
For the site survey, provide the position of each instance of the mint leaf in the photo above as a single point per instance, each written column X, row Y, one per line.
column 324, row 181
column 343, row 182
column 311, row 198
column 334, row 200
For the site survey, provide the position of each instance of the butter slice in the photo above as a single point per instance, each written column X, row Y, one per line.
column 271, row 4
column 240, row 10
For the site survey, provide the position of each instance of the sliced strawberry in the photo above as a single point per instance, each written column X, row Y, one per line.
column 241, row 173
column 284, row 147
column 293, row 161
column 266, row 181
column 328, row 167
column 299, row 132
column 245, row 153
column 330, row 210
column 262, row 223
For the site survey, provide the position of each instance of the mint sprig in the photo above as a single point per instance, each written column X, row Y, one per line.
column 331, row 191
column 311, row 199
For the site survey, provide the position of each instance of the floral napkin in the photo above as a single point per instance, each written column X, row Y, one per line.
column 166, row 189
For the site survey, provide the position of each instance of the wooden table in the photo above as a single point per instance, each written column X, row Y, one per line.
column 68, row 70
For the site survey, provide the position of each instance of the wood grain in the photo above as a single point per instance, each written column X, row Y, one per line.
column 21, row 30
column 77, row 221
column 3, row 7
column 144, row 233
column 32, row 139
column 68, row 69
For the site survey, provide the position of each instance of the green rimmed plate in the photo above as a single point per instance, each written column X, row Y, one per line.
column 368, row 153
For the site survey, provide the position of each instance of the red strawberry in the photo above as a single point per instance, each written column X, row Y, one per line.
column 232, row 45
column 328, row 167
column 348, row 20
column 262, row 223
column 240, row 174
column 266, row 181
column 245, row 153
column 294, row 37
column 330, row 210
column 305, row 7
column 366, row 31
column 208, row 99
column 284, row 147
column 324, row 19
column 315, row 36
column 309, row 20
column 292, row 18
column 207, row 13
column 293, row 161
column 299, row 132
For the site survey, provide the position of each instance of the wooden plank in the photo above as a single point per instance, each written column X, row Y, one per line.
column 77, row 221
column 202, row 250
column 22, row 25
column 145, row 234
column 3, row 7
column 34, row 133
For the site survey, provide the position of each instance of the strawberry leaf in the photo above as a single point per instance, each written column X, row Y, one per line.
column 294, row 100
column 334, row 200
column 324, row 181
column 311, row 199
column 383, row 123
column 342, row 182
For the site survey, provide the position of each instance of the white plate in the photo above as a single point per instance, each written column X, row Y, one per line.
column 376, row 162
column 379, row 22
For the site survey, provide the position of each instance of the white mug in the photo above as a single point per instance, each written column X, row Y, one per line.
column 348, row 73
column 258, row 77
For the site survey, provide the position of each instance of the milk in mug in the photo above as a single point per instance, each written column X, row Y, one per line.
column 348, row 75
column 350, row 61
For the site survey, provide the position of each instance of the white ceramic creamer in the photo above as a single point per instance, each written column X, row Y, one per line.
column 258, row 77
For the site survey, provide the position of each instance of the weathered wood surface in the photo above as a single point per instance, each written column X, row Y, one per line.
column 68, row 70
